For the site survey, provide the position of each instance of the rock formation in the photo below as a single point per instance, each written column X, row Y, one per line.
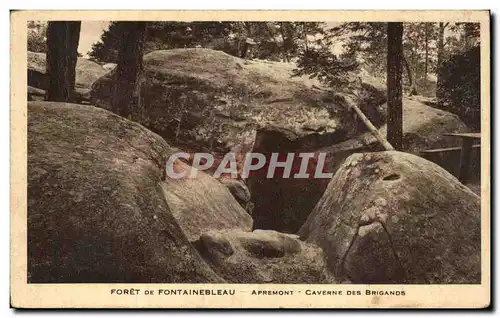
column 392, row 217
column 202, row 204
column 263, row 257
column 96, row 208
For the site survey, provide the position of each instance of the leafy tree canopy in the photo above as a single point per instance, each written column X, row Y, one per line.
column 264, row 40
column 37, row 36
column 461, row 86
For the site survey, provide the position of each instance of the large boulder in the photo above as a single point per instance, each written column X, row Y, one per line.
column 392, row 217
column 87, row 72
column 214, row 101
column 203, row 204
column 263, row 257
column 96, row 208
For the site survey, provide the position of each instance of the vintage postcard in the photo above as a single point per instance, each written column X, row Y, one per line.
column 250, row 159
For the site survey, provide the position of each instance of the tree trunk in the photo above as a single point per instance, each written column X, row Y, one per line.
column 394, row 87
column 62, row 51
column 304, row 34
column 414, row 63
column 426, row 63
column 408, row 71
column 369, row 125
column 127, row 89
column 286, row 41
column 440, row 56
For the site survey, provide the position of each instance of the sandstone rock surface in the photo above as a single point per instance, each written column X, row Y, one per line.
column 263, row 257
column 96, row 209
column 392, row 217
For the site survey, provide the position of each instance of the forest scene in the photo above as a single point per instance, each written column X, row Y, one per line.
column 391, row 110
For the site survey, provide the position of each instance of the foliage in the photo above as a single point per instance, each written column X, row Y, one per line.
column 37, row 36
column 264, row 40
column 327, row 67
column 466, row 36
column 306, row 43
column 317, row 59
column 367, row 41
column 461, row 82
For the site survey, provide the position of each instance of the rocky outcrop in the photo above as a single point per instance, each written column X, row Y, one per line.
column 214, row 101
column 284, row 204
column 203, row 204
column 261, row 257
column 87, row 72
column 96, row 208
column 392, row 217
column 206, row 100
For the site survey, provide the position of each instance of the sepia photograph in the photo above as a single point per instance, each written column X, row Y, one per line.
column 217, row 158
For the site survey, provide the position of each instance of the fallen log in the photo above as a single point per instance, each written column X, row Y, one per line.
column 369, row 125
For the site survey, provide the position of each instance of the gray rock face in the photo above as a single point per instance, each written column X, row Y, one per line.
column 263, row 257
column 202, row 204
column 214, row 101
column 96, row 208
column 391, row 217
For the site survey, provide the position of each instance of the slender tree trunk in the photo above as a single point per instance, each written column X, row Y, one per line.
column 127, row 88
column 408, row 71
column 285, row 41
column 247, row 34
column 304, row 34
column 394, row 84
column 440, row 44
column 426, row 50
column 369, row 125
column 62, row 54
column 414, row 63
column 440, row 53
